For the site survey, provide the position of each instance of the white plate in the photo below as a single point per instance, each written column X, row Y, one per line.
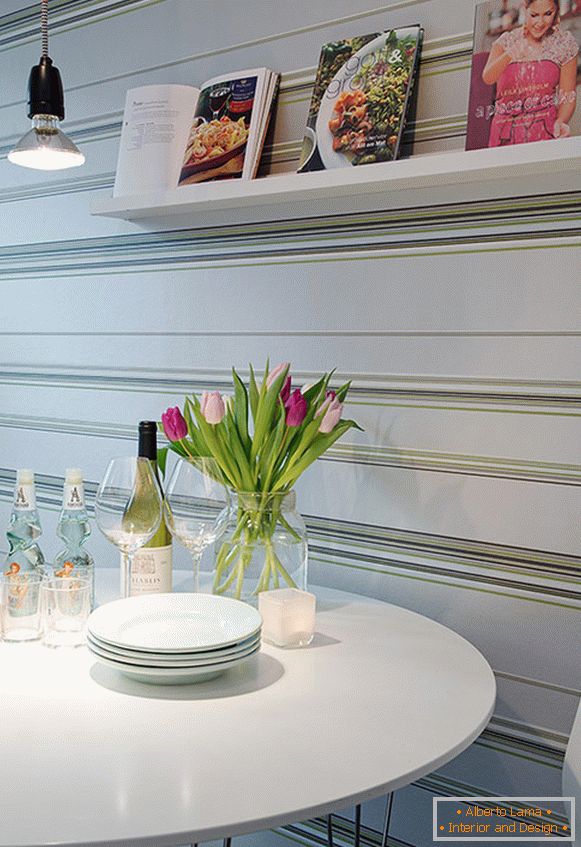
column 333, row 158
column 174, row 623
column 221, row 653
column 157, row 661
column 173, row 676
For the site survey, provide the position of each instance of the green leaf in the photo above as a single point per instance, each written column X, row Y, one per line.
column 268, row 404
column 342, row 392
column 177, row 447
column 312, row 393
column 216, row 448
column 308, row 434
column 253, row 393
column 200, row 448
column 317, row 448
column 162, row 460
column 241, row 411
column 188, row 414
column 236, row 448
column 270, row 454
column 304, row 434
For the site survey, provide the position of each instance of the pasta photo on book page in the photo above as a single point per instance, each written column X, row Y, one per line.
column 229, row 125
column 175, row 135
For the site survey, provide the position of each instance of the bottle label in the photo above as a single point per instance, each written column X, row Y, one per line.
column 73, row 496
column 151, row 571
column 24, row 497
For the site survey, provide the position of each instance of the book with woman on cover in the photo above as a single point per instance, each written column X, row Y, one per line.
column 525, row 72
column 361, row 98
column 177, row 135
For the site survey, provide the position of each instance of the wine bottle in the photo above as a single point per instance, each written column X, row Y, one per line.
column 151, row 569
column 24, row 554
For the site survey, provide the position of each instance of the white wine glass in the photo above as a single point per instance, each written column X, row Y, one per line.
column 128, row 509
column 196, row 502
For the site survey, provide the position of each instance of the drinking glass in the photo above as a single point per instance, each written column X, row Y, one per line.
column 66, row 603
column 128, row 509
column 217, row 100
column 195, row 506
column 21, row 609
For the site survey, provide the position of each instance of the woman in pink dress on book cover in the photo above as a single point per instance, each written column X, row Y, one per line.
column 535, row 71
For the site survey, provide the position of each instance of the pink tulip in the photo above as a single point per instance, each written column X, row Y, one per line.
column 276, row 372
column 331, row 417
column 212, row 407
column 329, row 397
column 296, row 409
column 174, row 424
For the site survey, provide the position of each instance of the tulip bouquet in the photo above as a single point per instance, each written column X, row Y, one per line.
column 262, row 439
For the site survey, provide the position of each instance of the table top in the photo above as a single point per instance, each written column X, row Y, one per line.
column 382, row 697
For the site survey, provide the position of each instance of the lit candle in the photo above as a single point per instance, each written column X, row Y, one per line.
column 288, row 617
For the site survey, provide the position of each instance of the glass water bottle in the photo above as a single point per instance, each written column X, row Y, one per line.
column 24, row 554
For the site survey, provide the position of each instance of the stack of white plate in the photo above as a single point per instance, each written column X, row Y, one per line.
column 174, row 639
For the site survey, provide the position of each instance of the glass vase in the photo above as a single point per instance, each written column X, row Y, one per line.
column 263, row 546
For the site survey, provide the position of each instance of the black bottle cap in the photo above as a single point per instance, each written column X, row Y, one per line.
column 148, row 440
column 45, row 90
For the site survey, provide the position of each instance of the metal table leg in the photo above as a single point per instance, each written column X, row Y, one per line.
column 357, row 839
column 330, row 830
column 388, row 809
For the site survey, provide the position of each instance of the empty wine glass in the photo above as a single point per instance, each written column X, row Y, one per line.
column 195, row 506
column 128, row 509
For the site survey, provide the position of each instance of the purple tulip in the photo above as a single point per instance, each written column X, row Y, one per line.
column 212, row 407
column 296, row 408
column 276, row 372
column 331, row 417
column 174, row 424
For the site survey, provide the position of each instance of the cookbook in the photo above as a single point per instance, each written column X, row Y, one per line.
column 175, row 135
column 525, row 77
column 361, row 99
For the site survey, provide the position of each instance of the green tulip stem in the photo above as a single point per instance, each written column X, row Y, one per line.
column 288, row 527
column 254, row 527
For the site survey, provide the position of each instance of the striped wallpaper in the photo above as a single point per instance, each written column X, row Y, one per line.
column 458, row 324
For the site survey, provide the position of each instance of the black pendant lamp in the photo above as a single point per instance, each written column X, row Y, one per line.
column 44, row 146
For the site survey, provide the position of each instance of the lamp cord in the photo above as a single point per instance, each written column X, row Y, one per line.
column 44, row 26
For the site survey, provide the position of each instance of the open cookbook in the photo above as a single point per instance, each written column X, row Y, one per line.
column 178, row 135
column 362, row 95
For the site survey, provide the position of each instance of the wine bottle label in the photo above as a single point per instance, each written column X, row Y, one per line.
column 24, row 497
column 73, row 496
column 151, row 570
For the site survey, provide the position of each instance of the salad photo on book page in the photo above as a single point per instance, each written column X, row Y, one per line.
column 525, row 73
column 228, row 127
column 361, row 98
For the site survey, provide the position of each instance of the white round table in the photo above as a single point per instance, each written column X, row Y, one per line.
column 382, row 697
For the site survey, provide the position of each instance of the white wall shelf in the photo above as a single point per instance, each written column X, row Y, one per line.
column 541, row 167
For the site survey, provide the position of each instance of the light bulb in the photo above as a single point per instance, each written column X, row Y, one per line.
column 45, row 147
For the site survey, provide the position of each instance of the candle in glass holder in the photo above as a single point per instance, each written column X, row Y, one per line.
column 288, row 617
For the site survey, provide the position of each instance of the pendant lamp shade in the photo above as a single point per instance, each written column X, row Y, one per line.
column 45, row 147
